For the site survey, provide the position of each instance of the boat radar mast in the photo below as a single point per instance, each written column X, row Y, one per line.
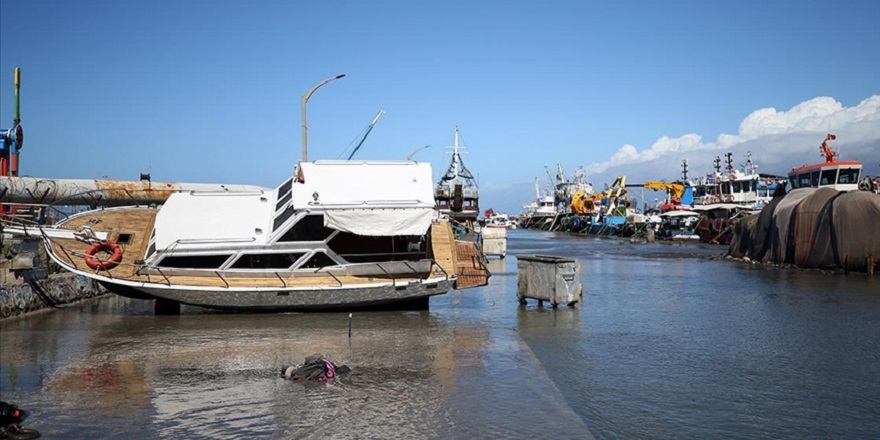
column 457, row 194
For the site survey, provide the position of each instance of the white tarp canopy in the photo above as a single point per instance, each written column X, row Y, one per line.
column 380, row 221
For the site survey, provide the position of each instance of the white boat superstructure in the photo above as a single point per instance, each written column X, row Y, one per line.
column 843, row 175
column 745, row 187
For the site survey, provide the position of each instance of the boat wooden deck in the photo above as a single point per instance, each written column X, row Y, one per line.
column 133, row 224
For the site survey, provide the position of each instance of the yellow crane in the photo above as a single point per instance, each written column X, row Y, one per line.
column 674, row 189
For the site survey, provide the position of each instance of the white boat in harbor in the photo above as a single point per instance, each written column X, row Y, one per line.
column 336, row 234
column 841, row 175
column 492, row 219
column 745, row 187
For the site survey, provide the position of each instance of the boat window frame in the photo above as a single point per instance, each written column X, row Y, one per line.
column 308, row 258
column 849, row 172
column 243, row 256
column 814, row 179
column 325, row 235
column 378, row 249
column 162, row 261
column 823, row 181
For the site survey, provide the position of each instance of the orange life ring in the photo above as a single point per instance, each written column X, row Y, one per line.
column 103, row 246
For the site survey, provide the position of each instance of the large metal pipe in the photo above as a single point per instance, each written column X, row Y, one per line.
column 35, row 190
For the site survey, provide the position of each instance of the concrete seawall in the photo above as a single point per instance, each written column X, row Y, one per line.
column 18, row 297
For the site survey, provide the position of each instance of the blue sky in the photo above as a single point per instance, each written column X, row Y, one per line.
column 209, row 91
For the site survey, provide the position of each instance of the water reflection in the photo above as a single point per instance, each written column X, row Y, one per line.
column 115, row 370
column 668, row 342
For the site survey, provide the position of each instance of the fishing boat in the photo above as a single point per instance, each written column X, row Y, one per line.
column 456, row 193
column 540, row 213
column 492, row 219
column 841, row 175
column 745, row 187
column 336, row 234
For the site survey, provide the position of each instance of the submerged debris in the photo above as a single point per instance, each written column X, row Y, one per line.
column 315, row 368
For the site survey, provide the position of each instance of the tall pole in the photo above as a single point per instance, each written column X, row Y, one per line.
column 15, row 144
column 305, row 99
column 16, row 114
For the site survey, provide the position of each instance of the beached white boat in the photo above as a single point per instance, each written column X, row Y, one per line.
column 337, row 234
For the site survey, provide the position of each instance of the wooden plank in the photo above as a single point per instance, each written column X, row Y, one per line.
column 470, row 268
column 443, row 246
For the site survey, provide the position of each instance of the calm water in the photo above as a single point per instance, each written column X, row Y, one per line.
column 670, row 343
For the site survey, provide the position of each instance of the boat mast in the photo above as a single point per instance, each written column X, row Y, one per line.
column 751, row 167
column 455, row 156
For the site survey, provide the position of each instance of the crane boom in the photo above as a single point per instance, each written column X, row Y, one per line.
column 367, row 132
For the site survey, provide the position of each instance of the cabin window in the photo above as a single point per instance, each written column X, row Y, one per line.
column 267, row 261
column 317, row 261
column 194, row 261
column 814, row 179
column 804, row 180
column 281, row 218
column 848, row 175
column 308, row 228
column 283, row 200
column 737, row 186
column 367, row 249
column 828, row 177
column 285, row 188
column 151, row 250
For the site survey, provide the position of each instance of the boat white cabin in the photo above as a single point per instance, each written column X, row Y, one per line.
column 841, row 175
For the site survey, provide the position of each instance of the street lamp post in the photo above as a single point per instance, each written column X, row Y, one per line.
column 305, row 99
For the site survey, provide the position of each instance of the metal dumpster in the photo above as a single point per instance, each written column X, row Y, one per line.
column 494, row 241
column 548, row 278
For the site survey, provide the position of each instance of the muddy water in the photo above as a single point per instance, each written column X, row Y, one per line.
column 669, row 343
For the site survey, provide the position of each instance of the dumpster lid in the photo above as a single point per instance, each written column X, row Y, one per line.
column 546, row 258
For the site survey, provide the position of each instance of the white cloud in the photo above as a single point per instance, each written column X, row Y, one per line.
column 776, row 134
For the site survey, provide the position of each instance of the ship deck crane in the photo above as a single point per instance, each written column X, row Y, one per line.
column 366, row 132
